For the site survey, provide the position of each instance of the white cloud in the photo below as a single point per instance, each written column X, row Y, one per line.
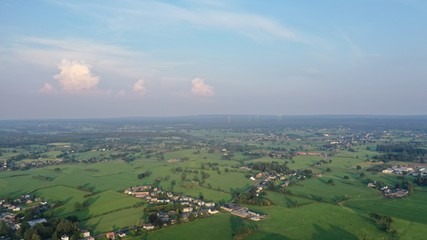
column 76, row 76
column 139, row 87
column 200, row 88
column 47, row 88
column 252, row 25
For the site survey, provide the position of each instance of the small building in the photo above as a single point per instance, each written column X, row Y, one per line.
column 226, row 209
column 187, row 209
column 140, row 194
column 371, row 185
column 85, row 233
column 148, row 226
column 240, row 213
column 65, row 237
column 212, row 211
column 210, row 204
column 259, row 175
column 110, row 235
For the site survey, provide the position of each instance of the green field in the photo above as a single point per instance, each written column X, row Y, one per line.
column 214, row 227
column 309, row 212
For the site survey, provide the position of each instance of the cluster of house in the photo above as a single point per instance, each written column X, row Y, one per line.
column 190, row 206
column 3, row 166
column 242, row 212
column 267, row 178
column 395, row 193
column 84, row 234
column 310, row 154
column 402, row 170
column 9, row 209
column 390, row 193
column 113, row 235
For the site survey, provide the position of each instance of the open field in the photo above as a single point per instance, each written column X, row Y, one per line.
column 109, row 209
column 331, row 202
column 215, row 227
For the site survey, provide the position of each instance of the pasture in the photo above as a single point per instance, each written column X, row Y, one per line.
column 312, row 204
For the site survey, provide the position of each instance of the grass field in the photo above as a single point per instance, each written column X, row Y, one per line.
column 114, row 221
column 215, row 227
column 311, row 207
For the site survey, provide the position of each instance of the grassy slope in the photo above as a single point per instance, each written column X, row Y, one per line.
column 215, row 227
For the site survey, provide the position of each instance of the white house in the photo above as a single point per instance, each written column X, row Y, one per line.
column 148, row 227
column 210, row 204
column 187, row 209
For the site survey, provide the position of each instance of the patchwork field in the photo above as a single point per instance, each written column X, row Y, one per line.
column 310, row 204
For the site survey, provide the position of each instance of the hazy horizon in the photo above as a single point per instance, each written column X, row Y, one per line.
column 124, row 59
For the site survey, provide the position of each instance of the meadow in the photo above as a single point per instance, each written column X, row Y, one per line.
column 311, row 209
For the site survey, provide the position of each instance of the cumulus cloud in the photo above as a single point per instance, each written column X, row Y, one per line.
column 200, row 88
column 139, row 87
column 76, row 76
column 47, row 88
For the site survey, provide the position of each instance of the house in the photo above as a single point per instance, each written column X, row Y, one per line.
column 110, row 235
column 371, row 185
column 121, row 234
column 285, row 184
column 387, row 171
column 398, row 193
column 85, row 233
column 212, row 211
column 140, row 194
column 240, row 213
column 252, row 178
column 187, row 209
column 148, row 227
column 210, row 204
column 226, row 209
column 65, row 237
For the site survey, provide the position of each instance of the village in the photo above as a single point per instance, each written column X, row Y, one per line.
column 12, row 214
column 406, row 170
column 168, row 208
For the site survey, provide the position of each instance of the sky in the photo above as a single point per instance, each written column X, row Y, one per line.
column 130, row 58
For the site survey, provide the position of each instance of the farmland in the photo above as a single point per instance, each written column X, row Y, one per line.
column 326, row 194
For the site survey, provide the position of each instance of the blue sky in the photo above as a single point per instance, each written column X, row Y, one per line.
column 78, row 59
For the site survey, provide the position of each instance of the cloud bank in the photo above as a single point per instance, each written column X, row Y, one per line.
column 200, row 88
column 76, row 76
